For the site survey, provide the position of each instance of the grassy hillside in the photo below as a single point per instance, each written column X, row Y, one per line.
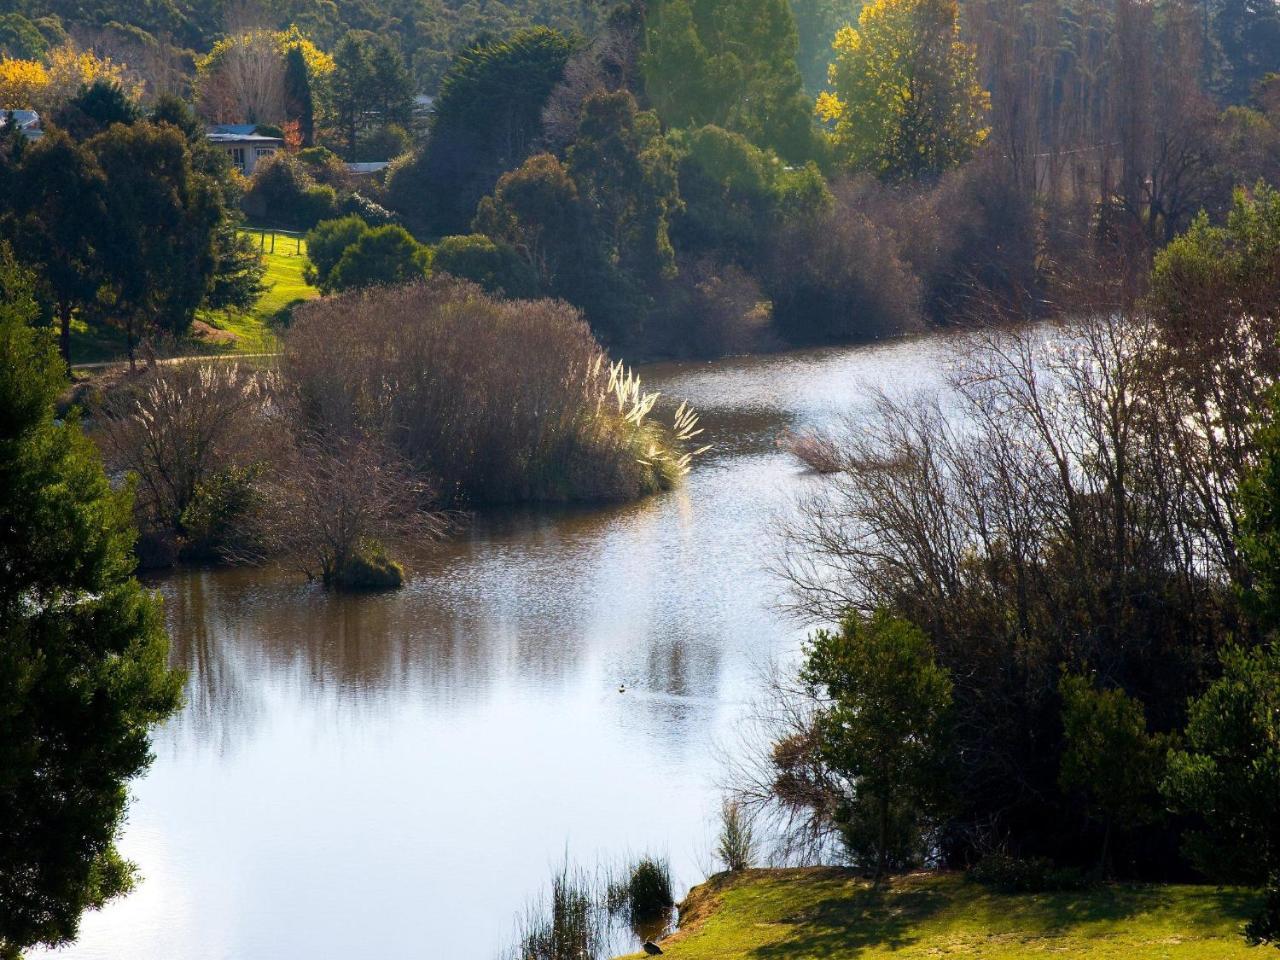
column 251, row 332
column 222, row 331
column 829, row 913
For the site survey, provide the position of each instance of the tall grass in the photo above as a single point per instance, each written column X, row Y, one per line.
column 568, row 925
column 591, row 917
column 502, row 401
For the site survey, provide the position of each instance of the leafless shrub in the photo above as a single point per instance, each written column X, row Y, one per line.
column 775, row 779
column 733, row 314
column 1066, row 502
column 334, row 503
column 175, row 426
column 816, row 449
column 841, row 275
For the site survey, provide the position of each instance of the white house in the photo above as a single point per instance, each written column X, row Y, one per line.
column 244, row 146
column 27, row 121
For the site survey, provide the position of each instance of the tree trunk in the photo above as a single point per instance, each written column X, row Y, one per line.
column 882, row 855
column 64, row 334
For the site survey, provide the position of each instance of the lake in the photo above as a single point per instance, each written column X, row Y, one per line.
column 395, row 776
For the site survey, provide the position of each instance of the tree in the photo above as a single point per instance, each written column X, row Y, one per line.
column 327, row 241
column 1109, row 756
column 350, row 85
column 298, row 104
column 384, row 256
column 60, row 222
column 238, row 269
column 1228, row 774
column 95, row 108
column 22, row 83
column 242, row 78
column 20, row 38
column 535, row 210
column 390, row 95
column 163, row 215
column 905, row 102
column 484, row 123
column 495, row 267
column 625, row 173
column 884, row 730
column 83, row 675
column 729, row 64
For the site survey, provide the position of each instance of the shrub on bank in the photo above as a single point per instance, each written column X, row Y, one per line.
column 369, row 568
column 500, row 401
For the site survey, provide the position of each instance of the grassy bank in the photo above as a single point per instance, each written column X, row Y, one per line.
column 830, row 913
column 222, row 331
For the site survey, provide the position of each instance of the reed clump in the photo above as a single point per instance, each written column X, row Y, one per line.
column 498, row 401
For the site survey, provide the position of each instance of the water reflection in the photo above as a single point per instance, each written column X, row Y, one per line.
column 396, row 775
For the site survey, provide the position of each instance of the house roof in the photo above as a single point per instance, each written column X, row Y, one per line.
column 28, row 121
column 244, row 129
column 369, row 166
column 247, row 138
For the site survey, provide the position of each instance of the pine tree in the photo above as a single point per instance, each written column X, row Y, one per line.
column 83, row 674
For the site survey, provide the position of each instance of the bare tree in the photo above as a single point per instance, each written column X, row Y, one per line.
column 334, row 501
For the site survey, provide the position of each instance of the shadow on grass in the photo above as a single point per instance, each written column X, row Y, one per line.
column 1056, row 913
column 860, row 919
column 851, row 920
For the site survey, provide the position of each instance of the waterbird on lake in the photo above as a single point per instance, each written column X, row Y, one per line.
column 622, row 687
column 651, row 948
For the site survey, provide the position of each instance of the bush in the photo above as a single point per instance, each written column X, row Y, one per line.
column 385, row 143
column 494, row 266
column 185, row 430
column 1030, row 875
column 649, row 891
column 501, row 401
column 737, row 844
column 839, row 276
column 283, row 193
column 327, row 241
column 219, row 521
column 1265, row 927
column 381, row 257
column 374, row 214
column 369, row 568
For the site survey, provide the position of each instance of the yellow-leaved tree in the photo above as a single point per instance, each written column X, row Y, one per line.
column 71, row 69
column 22, row 83
column 242, row 79
column 905, row 101
column 66, row 70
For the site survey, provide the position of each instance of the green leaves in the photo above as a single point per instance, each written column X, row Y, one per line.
column 885, row 731
column 1228, row 776
column 906, row 102
column 83, row 651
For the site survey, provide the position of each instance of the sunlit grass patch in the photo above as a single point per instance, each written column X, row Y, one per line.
column 830, row 913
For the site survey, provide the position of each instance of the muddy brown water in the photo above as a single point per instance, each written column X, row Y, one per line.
column 395, row 776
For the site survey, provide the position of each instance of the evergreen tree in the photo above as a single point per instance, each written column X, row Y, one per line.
column 83, row 675
column 729, row 64
column 884, row 733
column 298, row 105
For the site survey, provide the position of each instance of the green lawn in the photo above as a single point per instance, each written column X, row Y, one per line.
column 828, row 913
column 285, row 286
column 249, row 332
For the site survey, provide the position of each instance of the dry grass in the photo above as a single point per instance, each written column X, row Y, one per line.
column 501, row 401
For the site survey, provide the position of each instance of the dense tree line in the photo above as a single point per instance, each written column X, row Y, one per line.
column 1055, row 585
column 128, row 219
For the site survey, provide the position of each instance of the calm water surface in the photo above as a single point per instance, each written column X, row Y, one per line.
column 394, row 776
